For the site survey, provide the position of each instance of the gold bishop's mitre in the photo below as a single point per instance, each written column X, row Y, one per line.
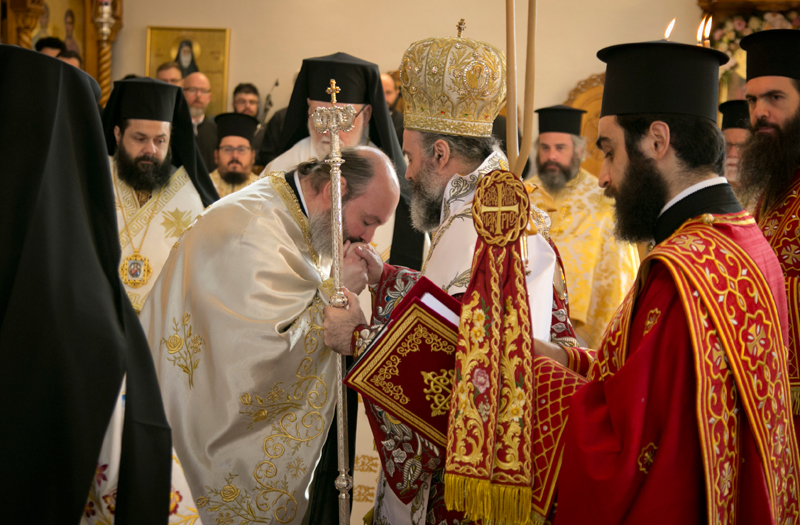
column 453, row 85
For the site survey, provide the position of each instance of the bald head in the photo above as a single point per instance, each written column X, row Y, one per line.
column 370, row 191
column 390, row 90
column 197, row 89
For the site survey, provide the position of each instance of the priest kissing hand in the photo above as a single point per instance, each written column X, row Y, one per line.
column 551, row 350
column 372, row 259
column 340, row 323
column 354, row 269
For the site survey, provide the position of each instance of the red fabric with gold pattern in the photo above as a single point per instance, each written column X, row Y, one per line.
column 781, row 227
column 489, row 463
column 699, row 338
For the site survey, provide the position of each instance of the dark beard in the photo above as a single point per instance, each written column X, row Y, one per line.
column 144, row 178
column 426, row 200
column 554, row 182
column 320, row 226
column 769, row 161
column 233, row 177
column 639, row 199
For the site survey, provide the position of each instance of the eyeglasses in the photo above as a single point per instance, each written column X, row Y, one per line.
column 241, row 150
column 193, row 90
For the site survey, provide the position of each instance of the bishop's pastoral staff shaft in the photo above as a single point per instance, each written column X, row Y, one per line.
column 333, row 120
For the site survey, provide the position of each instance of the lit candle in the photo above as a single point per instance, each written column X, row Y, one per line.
column 669, row 29
column 707, row 33
column 700, row 31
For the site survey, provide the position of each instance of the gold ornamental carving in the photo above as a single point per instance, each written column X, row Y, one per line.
column 27, row 14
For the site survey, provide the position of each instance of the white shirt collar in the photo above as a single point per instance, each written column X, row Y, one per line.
column 300, row 192
column 693, row 189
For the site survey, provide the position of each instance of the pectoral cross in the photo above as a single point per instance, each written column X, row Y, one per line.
column 499, row 209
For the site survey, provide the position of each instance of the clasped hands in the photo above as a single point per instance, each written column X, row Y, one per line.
column 362, row 266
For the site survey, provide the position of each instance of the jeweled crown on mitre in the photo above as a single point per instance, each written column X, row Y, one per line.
column 453, row 85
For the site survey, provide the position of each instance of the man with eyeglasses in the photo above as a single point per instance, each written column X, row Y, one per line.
column 197, row 89
column 736, row 128
column 235, row 155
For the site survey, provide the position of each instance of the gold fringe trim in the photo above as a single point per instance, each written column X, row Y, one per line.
column 479, row 499
column 537, row 519
column 795, row 400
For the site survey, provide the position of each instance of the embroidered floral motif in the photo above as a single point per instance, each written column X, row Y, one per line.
column 362, row 493
column 176, row 222
column 271, row 499
column 366, row 464
column 175, row 499
column 111, row 502
column 274, row 404
column 652, row 319
column 296, row 468
column 646, row 457
column 183, row 349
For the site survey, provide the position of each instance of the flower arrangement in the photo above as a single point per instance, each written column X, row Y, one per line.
column 729, row 32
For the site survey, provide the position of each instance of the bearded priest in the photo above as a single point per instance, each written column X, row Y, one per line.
column 359, row 84
column 450, row 149
column 770, row 166
column 160, row 181
column 688, row 414
column 235, row 328
column 599, row 269
column 235, row 154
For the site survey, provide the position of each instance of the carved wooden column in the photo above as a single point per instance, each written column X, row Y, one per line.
column 107, row 22
column 27, row 14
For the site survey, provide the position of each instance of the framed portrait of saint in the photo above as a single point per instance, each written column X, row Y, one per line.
column 194, row 49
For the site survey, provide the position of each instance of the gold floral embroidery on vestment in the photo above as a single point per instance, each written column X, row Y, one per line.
column 288, row 433
column 183, row 346
column 438, row 390
column 652, row 319
column 366, row 463
column 646, row 457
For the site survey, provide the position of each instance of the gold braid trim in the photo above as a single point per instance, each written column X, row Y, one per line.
column 795, row 400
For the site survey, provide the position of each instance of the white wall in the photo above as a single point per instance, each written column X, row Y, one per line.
column 269, row 38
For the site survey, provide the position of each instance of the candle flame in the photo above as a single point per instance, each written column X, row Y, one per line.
column 669, row 29
column 700, row 30
column 707, row 32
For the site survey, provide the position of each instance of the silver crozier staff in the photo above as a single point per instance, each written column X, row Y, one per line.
column 333, row 120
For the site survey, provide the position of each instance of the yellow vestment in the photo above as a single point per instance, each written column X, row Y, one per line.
column 598, row 268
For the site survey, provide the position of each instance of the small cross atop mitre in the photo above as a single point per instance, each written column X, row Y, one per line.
column 460, row 27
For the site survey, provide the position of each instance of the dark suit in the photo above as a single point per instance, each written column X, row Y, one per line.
column 207, row 142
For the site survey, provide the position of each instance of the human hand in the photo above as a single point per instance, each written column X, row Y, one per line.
column 354, row 269
column 551, row 350
column 372, row 259
column 340, row 323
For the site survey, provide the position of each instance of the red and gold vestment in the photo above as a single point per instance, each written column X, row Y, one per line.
column 781, row 226
column 688, row 418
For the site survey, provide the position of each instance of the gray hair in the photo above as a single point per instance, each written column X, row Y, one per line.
column 358, row 170
column 471, row 150
column 578, row 143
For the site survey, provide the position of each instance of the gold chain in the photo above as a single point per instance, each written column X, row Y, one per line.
column 125, row 221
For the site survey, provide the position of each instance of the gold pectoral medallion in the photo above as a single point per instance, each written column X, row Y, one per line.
column 135, row 270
